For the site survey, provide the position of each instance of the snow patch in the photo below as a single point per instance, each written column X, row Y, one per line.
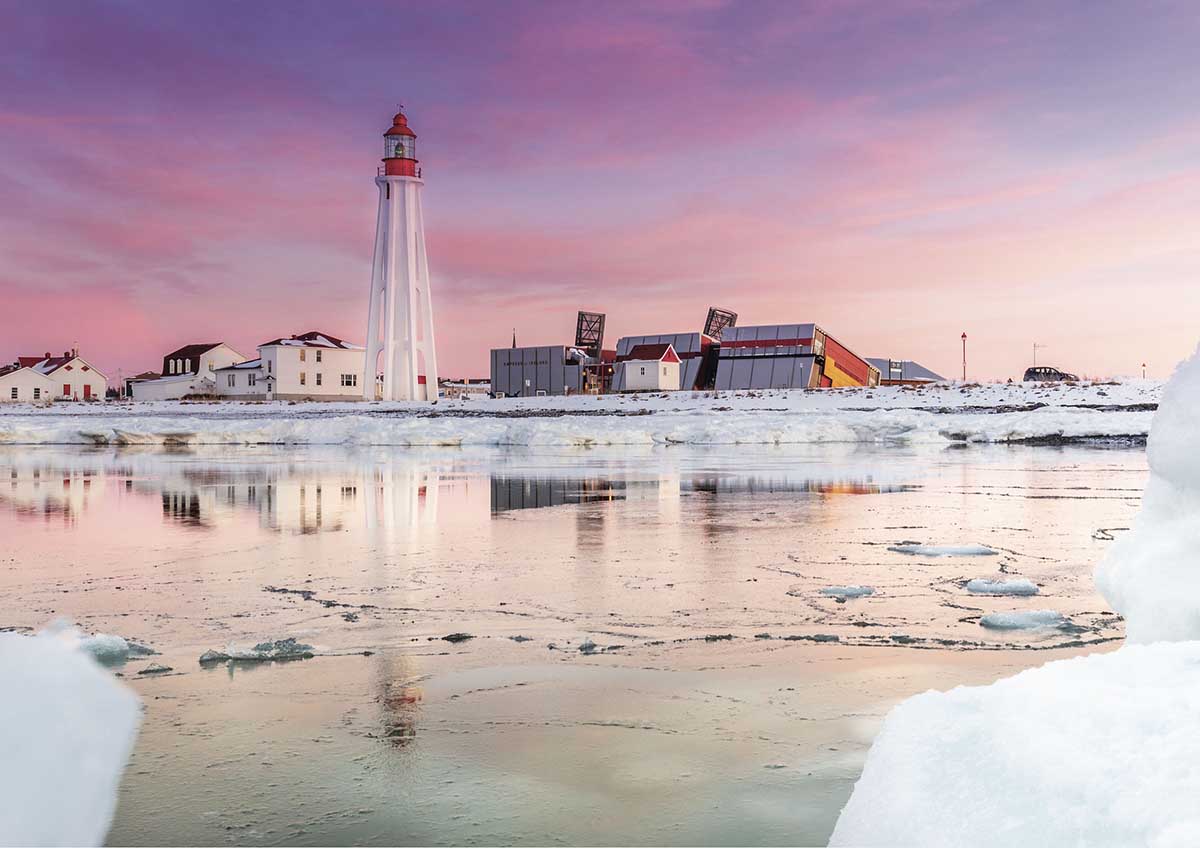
column 981, row 586
column 1097, row 750
column 67, row 733
column 1151, row 575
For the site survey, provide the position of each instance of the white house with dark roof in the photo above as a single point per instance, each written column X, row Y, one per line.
column 310, row 366
column 189, row 370
column 20, row 384
column 69, row 377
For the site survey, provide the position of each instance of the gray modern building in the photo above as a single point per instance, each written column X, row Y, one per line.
column 903, row 371
column 537, row 371
column 788, row 356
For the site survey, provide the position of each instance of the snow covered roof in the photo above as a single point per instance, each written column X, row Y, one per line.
column 313, row 339
column 249, row 364
column 49, row 364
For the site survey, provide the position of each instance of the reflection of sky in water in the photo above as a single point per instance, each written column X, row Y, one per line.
column 646, row 553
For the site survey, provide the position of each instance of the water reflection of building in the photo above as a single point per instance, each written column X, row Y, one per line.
column 393, row 683
column 46, row 492
column 509, row 493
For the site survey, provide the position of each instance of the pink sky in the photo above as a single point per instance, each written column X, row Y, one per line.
column 896, row 172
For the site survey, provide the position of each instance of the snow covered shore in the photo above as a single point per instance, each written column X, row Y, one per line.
column 936, row 414
column 1096, row 750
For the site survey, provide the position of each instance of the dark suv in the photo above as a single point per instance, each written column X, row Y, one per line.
column 1044, row 373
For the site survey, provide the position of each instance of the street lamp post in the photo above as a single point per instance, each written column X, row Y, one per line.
column 964, row 341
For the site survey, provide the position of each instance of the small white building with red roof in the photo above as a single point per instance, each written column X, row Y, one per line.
column 310, row 366
column 47, row 377
column 650, row 368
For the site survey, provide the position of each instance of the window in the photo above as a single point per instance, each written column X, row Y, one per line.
column 268, row 366
column 231, row 380
column 37, row 394
column 179, row 366
column 211, row 366
column 641, row 370
column 303, row 377
column 171, row 366
column 318, row 373
column 349, row 379
column 318, row 358
column 302, row 353
column 251, row 379
column 14, row 392
column 187, row 365
column 664, row 370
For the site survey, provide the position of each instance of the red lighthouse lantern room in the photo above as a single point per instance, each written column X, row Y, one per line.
column 400, row 149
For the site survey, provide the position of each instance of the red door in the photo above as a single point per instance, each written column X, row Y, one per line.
column 87, row 391
column 66, row 389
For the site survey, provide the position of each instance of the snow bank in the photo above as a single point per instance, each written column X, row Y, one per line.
column 980, row 586
column 892, row 414
column 1098, row 750
column 1023, row 620
column 943, row 550
column 1152, row 574
column 67, row 732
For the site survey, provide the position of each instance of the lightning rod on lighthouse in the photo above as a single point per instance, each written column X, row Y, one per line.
column 400, row 315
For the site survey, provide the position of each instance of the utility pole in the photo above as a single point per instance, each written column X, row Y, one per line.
column 1036, row 348
column 964, row 341
column 1143, row 370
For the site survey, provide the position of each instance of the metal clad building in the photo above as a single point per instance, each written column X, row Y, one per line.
column 904, row 371
column 691, row 348
column 788, row 356
column 533, row 371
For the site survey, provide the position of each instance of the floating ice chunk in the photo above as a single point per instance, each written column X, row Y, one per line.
column 1098, row 750
column 280, row 649
column 943, row 550
column 106, row 648
column 847, row 591
column 156, row 668
column 67, row 732
column 1150, row 575
column 1023, row 620
column 1020, row 586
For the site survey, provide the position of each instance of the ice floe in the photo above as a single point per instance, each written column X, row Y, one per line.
column 943, row 550
column 67, row 733
column 1023, row 620
column 280, row 649
column 1021, row 586
column 847, row 591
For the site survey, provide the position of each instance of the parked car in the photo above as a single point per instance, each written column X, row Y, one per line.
column 1046, row 374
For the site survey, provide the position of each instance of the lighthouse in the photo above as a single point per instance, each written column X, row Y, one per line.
column 400, row 314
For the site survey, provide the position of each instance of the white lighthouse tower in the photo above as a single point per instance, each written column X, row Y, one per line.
column 400, row 316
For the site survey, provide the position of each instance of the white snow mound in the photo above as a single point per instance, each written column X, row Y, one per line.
column 1098, row 750
column 67, row 732
column 1151, row 575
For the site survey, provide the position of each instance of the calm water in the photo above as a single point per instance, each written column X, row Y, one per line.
column 685, row 725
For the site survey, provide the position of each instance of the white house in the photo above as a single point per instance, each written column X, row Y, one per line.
column 651, row 368
column 71, row 377
column 311, row 366
column 24, row 385
column 190, row 370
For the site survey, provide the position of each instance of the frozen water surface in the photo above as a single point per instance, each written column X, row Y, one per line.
column 671, row 564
